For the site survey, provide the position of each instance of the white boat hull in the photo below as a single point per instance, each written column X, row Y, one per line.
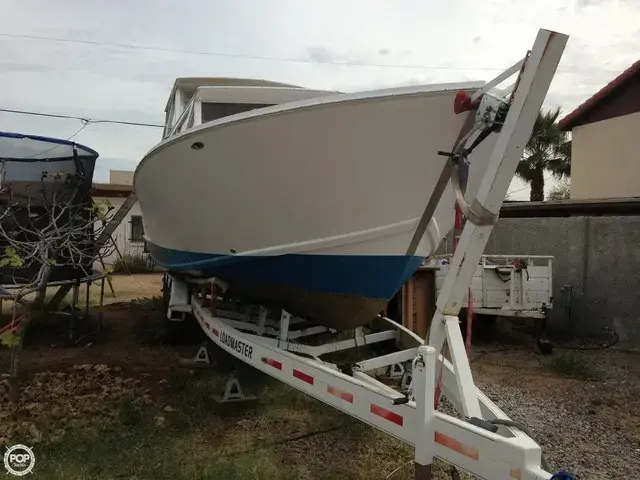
column 333, row 178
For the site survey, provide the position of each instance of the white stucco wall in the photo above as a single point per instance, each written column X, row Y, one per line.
column 122, row 233
column 605, row 159
column 121, row 177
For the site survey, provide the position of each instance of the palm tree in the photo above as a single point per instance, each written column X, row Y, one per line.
column 549, row 149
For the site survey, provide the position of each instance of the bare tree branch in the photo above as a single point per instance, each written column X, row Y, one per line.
column 44, row 227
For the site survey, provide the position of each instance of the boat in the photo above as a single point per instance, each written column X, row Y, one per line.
column 300, row 199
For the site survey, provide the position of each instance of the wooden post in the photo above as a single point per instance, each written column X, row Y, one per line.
column 419, row 300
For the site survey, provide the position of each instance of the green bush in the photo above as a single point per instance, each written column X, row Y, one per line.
column 571, row 365
column 134, row 263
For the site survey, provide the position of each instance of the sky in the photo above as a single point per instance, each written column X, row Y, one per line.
column 316, row 44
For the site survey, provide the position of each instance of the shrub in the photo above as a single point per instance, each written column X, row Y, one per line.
column 134, row 263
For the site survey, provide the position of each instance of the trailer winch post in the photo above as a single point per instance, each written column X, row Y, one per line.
column 483, row 210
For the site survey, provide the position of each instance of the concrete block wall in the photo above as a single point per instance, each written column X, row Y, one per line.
column 599, row 257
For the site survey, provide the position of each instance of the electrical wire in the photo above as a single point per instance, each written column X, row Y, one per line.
column 572, row 69
column 236, row 55
column 606, row 346
column 295, row 438
column 85, row 123
column 528, row 186
column 615, row 339
column 82, row 119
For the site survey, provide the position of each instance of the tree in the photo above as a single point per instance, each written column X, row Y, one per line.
column 561, row 191
column 43, row 228
column 548, row 150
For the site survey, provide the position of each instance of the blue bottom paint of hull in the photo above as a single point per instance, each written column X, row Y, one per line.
column 372, row 276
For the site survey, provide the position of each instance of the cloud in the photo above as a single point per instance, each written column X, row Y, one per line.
column 133, row 84
column 321, row 54
column 18, row 67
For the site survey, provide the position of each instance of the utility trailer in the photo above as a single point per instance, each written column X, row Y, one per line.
column 505, row 285
column 482, row 439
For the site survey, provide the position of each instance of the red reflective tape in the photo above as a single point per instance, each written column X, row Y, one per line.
column 387, row 414
column 272, row 363
column 303, row 376
column 456, row 446
column 346, row 396
column 215, row 332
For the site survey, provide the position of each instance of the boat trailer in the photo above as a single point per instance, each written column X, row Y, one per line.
column 482, row 440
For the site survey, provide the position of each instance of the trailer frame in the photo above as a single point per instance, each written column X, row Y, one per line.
column 479, row 442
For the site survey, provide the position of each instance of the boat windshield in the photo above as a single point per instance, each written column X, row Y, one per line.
column 213, row 111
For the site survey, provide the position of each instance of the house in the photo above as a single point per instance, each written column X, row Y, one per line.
column 605, row 132
column 129, row 235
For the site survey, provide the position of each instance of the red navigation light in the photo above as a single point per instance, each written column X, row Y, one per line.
column 462, row 102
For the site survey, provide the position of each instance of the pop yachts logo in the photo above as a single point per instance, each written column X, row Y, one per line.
column 19, row 460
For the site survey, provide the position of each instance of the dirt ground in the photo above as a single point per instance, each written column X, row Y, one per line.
column 117, row 404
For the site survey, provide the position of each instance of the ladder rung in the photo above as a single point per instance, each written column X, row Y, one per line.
column 116, row 220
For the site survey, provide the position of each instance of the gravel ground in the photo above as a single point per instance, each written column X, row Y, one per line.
column 589, row 427
column 572, row 439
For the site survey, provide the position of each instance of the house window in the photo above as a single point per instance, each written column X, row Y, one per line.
column 137, row 229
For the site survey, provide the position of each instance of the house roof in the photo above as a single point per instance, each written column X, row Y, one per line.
column 573, row 118
column 571, row 208
column 111, row 190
